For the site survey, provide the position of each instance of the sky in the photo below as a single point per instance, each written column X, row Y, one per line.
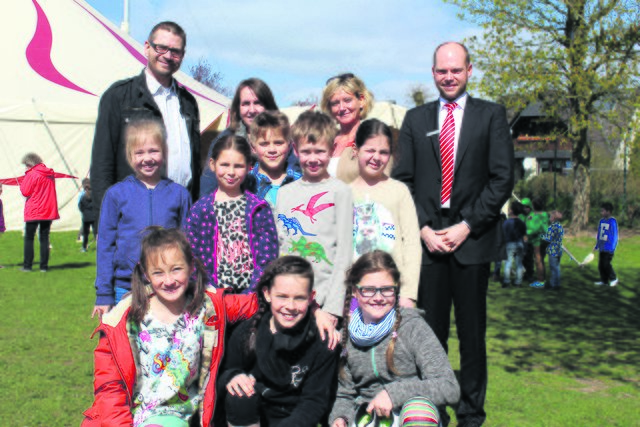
column 296, row 45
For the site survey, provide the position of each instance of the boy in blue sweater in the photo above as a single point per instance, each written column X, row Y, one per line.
column 606, row 242
column 140, row 200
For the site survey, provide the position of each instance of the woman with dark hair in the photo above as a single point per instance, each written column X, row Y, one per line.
column 281, row 372
column 40, row 208
column 252, row 97
column 348, row 101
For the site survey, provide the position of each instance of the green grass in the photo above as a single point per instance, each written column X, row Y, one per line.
column 555, row 359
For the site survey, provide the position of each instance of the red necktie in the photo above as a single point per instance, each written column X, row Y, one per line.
column 447, row 136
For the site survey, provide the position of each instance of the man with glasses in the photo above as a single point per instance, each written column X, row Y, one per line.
column 457, row 160
column 154, row 93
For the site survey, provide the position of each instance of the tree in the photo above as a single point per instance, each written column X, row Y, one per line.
column 578, row 57
column 203, row 73
column 419, row 93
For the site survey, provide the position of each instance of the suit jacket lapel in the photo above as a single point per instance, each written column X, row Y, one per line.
column 433, row 128
column 468, row 123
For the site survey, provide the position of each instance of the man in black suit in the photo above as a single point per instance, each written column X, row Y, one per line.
column 459, row 219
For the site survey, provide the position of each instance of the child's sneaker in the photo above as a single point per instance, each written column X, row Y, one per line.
column 613, row 282
column 537, row 285
column 598, row 283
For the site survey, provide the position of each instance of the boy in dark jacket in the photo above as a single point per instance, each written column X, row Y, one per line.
column 514, row 231
column 85, row 205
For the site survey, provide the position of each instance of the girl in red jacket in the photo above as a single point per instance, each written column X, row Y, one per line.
column 157, row 360
column 40, row 208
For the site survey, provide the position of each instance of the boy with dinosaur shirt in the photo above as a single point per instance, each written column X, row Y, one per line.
column 315, row 213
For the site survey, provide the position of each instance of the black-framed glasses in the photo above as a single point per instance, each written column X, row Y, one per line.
column 162, row 49
column 341, row 77
column 370, row 291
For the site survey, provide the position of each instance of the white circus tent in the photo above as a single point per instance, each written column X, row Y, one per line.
column 59, row 57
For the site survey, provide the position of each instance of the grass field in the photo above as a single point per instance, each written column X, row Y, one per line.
column 555, row 359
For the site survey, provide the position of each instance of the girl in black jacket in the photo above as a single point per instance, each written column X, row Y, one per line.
column 277, row 370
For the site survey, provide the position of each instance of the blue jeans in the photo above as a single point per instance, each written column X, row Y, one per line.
column 554, row 266
column 120, row 292
column 515, row 253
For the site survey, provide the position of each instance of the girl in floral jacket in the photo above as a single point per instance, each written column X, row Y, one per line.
column 231, row 230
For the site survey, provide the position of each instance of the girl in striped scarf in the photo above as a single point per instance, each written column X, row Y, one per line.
column 394, row 371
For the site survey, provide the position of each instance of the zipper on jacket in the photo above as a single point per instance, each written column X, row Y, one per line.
column 126, row 386
column 373, row 362
column 150, row 220
column 250, row 228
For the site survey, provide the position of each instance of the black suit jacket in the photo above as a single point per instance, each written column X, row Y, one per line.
column 483, row 174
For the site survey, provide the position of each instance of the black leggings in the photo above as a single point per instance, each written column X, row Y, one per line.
column 30, row 234
column 243, row 411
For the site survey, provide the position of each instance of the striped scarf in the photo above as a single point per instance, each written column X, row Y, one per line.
column 366, row 335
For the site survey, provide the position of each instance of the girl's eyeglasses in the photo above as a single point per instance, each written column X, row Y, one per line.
column 370, row 291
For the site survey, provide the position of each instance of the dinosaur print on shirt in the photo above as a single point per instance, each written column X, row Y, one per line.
column 311, row 210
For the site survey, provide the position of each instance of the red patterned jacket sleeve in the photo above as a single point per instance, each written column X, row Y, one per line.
column 112, row 406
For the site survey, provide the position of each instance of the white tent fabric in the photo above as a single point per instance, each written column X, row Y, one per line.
column 61, row 56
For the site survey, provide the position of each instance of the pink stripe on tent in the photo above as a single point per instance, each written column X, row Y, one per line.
column 38, row 53
column 140, row 57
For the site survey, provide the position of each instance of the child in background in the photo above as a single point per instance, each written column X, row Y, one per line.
column 281, row 371
column 537, row 224
column 139, row 201
column 392, row 364
column 514, row 231
column 3, row 228
column 315, row 213
column 527, row 261
column 554, row 236
column 269, row 135
column 231, row 230
column 384, row 214
column 85, row 204
column 160, row 348
column 606, row 242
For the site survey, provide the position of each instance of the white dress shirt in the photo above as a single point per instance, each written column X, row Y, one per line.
column 178, row 159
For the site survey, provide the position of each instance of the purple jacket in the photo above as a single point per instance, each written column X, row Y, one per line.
column 202, row 231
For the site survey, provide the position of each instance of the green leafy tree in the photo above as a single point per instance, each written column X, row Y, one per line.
column 578, row 57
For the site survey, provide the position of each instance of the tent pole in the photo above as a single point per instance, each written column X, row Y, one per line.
column 125, row 18
column 55, row 143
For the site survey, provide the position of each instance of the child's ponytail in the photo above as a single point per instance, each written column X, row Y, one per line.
column 139, row 294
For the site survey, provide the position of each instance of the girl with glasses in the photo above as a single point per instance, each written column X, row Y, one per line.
column 393, row 370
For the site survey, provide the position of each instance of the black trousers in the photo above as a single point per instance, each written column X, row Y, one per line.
column 527, row 261
column 30, row 234
column 85, row 232
column 447, row 282
column 607, row 274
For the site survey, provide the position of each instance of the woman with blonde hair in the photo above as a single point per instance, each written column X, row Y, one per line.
column 346, row 99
